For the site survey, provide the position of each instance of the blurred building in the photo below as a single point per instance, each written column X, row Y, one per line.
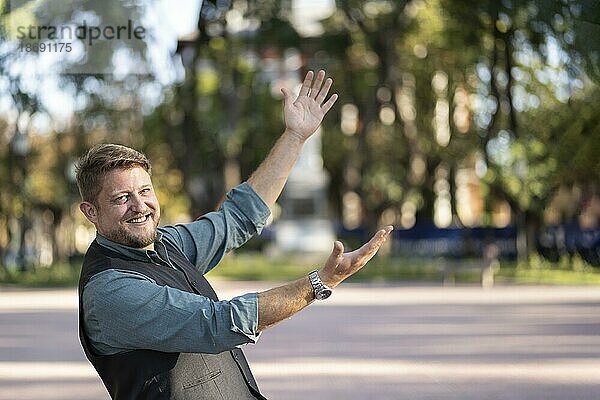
column 304, row 225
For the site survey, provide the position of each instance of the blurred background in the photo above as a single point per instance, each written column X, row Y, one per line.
column 473, row 127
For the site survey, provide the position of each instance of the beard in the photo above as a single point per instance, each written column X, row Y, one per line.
column 134, row 240
column 136, row 237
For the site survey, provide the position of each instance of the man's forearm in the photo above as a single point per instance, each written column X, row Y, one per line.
column 277, row 304
column 282, row 302
column 270, row 177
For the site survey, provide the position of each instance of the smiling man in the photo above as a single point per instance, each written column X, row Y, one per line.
column 150, row 323
column 131, row 211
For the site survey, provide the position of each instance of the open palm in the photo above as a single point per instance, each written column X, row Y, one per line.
column 304, row 115
column 340, row 265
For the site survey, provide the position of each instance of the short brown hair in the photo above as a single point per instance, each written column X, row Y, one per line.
column 101, row 159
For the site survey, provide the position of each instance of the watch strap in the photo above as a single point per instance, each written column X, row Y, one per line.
column 320, row 290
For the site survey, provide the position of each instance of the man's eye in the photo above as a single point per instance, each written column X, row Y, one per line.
column 145, row 191
column 121, row 199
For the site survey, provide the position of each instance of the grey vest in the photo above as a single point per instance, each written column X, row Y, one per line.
column 148, row 374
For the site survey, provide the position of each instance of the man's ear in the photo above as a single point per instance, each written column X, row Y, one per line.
column 90, row 211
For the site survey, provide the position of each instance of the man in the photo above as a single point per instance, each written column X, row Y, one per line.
column 150, row 323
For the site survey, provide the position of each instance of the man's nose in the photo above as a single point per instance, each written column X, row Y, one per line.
column 137, row 204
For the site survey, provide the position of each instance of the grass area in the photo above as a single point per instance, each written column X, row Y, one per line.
column 547, row 277
column 568, row 271
column 253, row 266
column 536, row 271
column 257, row 267
column 57, row 275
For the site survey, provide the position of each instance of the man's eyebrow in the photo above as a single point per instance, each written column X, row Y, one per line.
column 124, row 191
column 119, row 193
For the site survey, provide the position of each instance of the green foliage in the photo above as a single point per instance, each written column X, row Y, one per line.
column 58, row 275
column 569, row 271
column 538, row 271
column 532, row 116
column 257, row 267
column 568, row 138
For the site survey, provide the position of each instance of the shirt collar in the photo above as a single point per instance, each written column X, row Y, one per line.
column 127, row 251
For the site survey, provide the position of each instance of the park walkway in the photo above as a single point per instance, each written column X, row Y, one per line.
column 366, row 342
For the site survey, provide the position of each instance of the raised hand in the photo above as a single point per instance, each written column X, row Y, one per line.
column 340, row 265
column 304, row 115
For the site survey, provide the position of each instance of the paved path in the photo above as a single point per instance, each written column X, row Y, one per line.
column 366, row 342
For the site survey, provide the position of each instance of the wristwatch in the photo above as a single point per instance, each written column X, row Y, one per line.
column 320, row 290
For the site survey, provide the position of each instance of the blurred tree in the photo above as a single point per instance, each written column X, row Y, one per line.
column 224, row 102
column 429, row 90
column 401, row 73
column 575, row 24
column 434, row 87
column 15, row 205
column 562, row 151
column 52, row 112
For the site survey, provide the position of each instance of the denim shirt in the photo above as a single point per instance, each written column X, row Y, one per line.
column 126, row 311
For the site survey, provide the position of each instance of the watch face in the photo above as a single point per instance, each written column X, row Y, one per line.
column 324, row 293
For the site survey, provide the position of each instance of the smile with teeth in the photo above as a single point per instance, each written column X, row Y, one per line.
column 139, row 220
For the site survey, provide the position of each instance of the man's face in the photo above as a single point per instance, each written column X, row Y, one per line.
column 127, row 209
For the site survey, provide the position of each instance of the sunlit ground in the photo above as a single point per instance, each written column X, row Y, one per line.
column 367, row 342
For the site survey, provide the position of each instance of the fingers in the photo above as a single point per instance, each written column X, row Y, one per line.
column 381, row 235
column 306, row 84
column 386, row 231
column 316, row 87
column 338, row 249
column 287, row 96
column 369, row 249
column 320, row 97
column 336, row 254
column 339, row 266
column 329, row 103
column 318, row 90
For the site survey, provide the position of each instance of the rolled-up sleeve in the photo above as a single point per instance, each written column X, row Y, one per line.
column 127, row 311
column 205, row 241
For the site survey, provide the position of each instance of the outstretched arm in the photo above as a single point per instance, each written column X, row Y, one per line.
column 302, row 118
column 282, row 302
